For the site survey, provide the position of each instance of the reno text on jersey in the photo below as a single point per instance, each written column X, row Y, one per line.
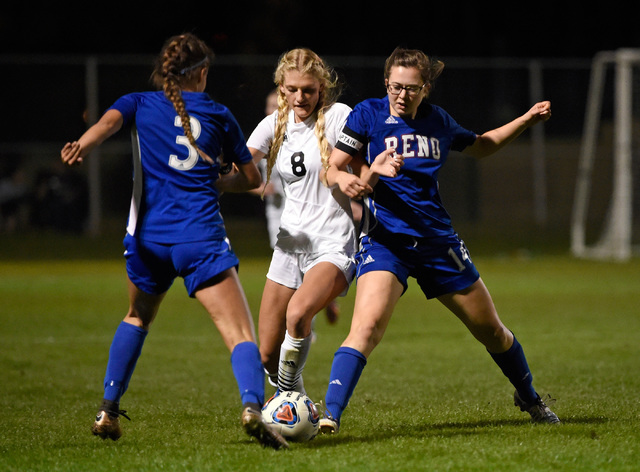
column 414, row 145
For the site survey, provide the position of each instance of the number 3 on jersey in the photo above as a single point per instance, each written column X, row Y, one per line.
column 192, row 153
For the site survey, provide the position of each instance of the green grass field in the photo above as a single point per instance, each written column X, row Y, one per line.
column 430, row 398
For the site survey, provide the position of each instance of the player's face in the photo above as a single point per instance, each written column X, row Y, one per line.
column 302, row 92
column 406, row 102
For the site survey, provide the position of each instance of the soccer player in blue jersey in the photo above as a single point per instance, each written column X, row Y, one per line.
column 182, row 141
column 406, row 230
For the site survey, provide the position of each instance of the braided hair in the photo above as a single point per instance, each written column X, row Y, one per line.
column 304, row 61
column 178, row 67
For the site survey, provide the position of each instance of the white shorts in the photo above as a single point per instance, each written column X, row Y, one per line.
column 288, row 268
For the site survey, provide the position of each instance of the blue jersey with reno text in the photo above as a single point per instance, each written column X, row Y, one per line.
column 410, row 203
column 174, row 194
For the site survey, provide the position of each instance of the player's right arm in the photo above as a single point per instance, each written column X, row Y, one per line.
column 365, row 177
column 74, row 152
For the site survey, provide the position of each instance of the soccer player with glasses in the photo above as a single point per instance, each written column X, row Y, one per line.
column 407, row 232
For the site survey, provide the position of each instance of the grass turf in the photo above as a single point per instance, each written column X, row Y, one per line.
column 430, row 398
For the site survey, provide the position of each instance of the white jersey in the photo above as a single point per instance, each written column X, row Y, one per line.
column 315, row 218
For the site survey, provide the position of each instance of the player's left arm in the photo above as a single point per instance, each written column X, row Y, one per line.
column 494, row 140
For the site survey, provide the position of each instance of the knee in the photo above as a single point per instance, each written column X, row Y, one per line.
column 299, row 321
column 365, row 338
column 499, row 340
column 504, row 337
column 134, row 318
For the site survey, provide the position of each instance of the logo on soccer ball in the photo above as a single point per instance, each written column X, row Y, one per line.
column 286, row 414
column 314, row 416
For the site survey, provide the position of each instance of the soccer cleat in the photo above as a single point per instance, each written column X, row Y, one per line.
column 539, row 411
column 107, row 425
column 255, row 426
column 328, row 424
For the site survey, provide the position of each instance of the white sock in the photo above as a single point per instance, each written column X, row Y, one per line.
column 293, row 356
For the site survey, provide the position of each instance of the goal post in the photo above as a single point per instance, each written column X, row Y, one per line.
column 616, row 238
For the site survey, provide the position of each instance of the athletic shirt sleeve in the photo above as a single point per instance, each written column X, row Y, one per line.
column 461, row 138
column 262, row 136
column 127, row 106
column 354, row 132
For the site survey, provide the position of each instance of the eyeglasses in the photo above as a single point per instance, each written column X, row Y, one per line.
column 412, row 90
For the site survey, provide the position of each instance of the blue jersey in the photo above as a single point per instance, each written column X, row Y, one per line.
column 410, row 203
column 174, row 195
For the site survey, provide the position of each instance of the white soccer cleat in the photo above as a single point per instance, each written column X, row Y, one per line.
column 329, row 426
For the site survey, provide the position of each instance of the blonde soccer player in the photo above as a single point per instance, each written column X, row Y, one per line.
column 313, row 258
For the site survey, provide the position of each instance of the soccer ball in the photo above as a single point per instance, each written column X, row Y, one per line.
column 294, row 415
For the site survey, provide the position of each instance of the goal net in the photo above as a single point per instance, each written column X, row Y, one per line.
column 603, row 227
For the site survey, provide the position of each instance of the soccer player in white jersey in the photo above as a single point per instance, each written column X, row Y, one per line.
column 175, row 228
column 408, row 233
column 273, row 195
column 312, row 261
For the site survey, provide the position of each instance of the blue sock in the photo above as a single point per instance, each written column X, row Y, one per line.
column 249, row 373
column 123, row 355
column 514, row 365
column 347, row 366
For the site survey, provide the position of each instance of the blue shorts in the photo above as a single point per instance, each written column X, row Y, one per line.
column 439, row 265
column 152, row 267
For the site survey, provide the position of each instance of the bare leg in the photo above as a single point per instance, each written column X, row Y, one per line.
column 272, row 324
column 143, row 307
column 475, row 308
column 376, row 297
column 227, row 305
column 321, row 284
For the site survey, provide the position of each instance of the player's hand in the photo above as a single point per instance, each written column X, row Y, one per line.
column 541, row 111
column 387, row 163
column 352, row 186
column 71, row 154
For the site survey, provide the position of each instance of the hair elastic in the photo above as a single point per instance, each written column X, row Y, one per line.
column 195, row 66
